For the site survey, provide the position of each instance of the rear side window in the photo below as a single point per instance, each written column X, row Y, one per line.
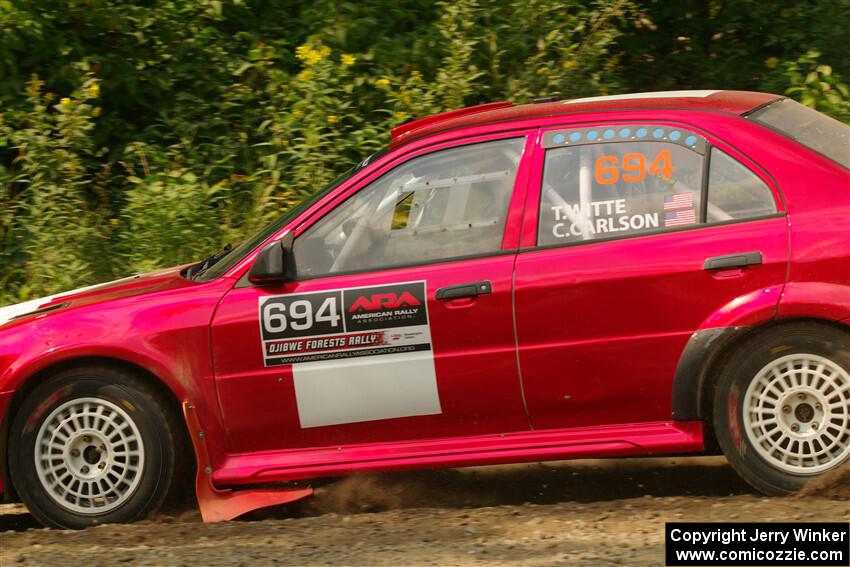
column 447, row 204
column 818, row 131
column 620, row 181
column 645, row 179
column 735, row 192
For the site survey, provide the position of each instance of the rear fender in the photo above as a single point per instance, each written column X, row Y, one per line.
column 819, row 300
column 718, row 331
column 747, row 310
column 739, row 317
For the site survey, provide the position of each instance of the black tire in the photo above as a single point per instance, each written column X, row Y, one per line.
column 762, row 466
column 145, row 422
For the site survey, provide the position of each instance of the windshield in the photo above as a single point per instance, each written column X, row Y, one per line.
column 818, row 131
column 239, row 252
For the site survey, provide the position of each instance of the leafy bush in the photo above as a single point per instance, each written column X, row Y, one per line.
column 50, row 229
column 815, row 85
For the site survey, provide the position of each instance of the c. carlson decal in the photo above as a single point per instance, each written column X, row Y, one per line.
column 345, row 323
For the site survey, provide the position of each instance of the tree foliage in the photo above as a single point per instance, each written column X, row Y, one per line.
column 141, row 134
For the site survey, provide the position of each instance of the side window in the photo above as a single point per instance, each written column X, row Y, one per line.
column 607, row 182
column 735, row 192
column 442, row 205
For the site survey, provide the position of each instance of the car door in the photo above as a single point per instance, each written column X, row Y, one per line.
column 398, row 324
column 641, row 233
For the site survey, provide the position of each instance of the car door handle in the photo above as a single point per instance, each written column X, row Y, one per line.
column 740, row 260
column 471, row 289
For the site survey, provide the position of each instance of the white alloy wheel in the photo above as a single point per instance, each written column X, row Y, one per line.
column 796, row 413
column 89, row 456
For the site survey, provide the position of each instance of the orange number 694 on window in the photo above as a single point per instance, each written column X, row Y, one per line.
column 609, row 169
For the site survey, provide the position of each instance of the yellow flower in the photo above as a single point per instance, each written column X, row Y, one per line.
column 305, row 75
column 348, row 59
column 95, row 111
column 302, row 52
column 771, row 62
column 542, row 71
column 65, row 101
column 94, row 90
column 311, row 56
column 297, row 113
column 569, row 64
column 332, row 119
column 401, row 116
column 382, row 82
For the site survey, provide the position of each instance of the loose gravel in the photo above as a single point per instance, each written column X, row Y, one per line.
column 578, row 513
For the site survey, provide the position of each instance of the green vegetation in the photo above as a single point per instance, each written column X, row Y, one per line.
column 142, row 134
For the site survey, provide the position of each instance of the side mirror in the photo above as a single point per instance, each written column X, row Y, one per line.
column 274, row 263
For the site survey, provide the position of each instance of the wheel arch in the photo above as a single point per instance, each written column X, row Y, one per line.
column 707, row 352
column 165, row 393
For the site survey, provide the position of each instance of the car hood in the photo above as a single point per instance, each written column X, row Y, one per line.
column 159, row 280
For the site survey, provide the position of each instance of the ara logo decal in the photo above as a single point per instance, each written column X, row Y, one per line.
column 385, row 306
column 380, row 301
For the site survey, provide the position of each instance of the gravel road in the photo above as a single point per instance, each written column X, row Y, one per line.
column 573, row 513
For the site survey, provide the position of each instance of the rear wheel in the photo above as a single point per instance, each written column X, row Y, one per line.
column 92, row 445
column 782, row 407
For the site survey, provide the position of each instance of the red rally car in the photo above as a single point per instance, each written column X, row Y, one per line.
column 627, row 275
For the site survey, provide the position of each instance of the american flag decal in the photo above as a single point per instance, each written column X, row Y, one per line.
column 679, row 218
column 678, row 201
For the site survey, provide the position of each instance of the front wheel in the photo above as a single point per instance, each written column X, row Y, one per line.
column 92, row 445
column 782, row 407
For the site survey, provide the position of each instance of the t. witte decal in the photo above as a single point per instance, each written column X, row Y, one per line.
column 357, row 354
column 599, row 217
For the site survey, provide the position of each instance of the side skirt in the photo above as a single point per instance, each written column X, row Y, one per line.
column 635, row 439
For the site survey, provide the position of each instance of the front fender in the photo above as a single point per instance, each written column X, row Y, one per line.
column 174, row 379
column 5, row 398
column 165, row 334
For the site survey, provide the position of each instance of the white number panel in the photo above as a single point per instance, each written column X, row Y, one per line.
column 357, row 354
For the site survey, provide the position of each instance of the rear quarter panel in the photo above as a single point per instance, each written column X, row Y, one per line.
column 817, row 195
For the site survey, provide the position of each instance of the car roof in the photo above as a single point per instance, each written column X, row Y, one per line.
column 730, row 102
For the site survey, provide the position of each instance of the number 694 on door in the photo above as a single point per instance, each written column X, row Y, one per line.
column 301, row 315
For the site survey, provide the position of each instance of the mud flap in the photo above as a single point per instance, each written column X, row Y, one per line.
column 219, row 505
